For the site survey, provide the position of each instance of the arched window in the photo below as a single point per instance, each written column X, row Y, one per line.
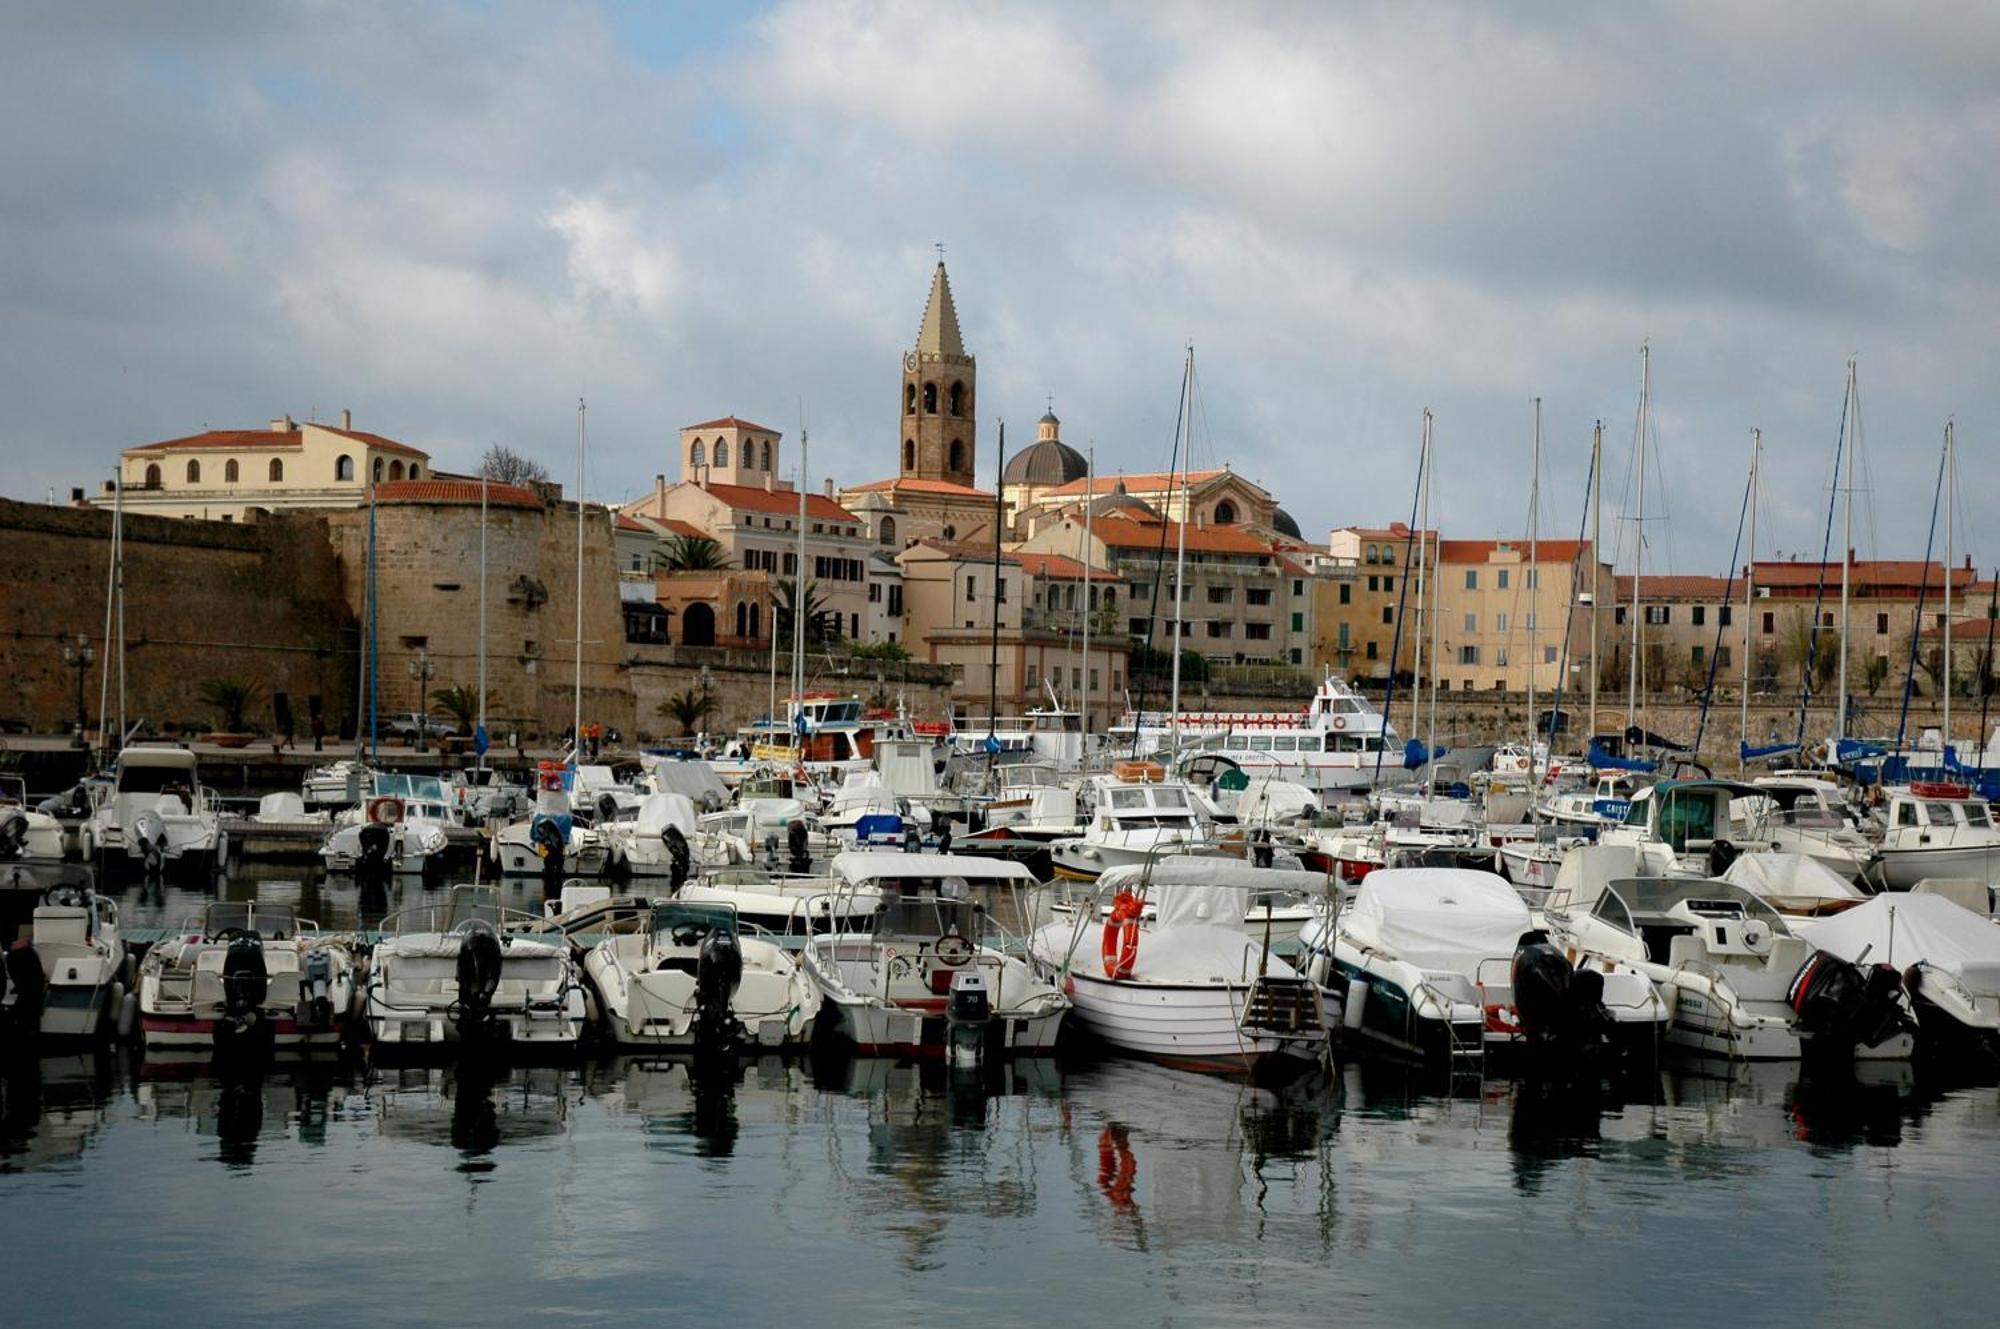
column 377, row 475
column 395, row 470
column 957, row 455
column 958, row 399
column 888, row 532
column 229, row 471
column 277, row 469
column 722, row 452
column 153, row 476
column 1371, row 555
column 767, row 457
column 909, row 399
column 415, row 473
column 756, row 631
column 1388, row 553
column 194, row 472
column 750, row 455
column 697, row 454
column 1225, row 513
column 742, row 619
column 909, row 454
column 930, row 399
column 343, row 467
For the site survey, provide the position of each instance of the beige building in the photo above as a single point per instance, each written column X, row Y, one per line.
column 1216, row 497
column 1358, row 592
column 230, row 474
column 1502, row 619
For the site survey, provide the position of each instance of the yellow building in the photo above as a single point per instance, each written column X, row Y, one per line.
column 1501, row 617
column 229, row 474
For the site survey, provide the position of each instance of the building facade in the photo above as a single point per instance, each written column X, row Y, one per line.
column 231, row 474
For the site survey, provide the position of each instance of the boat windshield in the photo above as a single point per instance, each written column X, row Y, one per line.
column 1976, row 814
column 680, row 918
column 473, row 903
column 154, row 779
column 275, row 921
column 410, row 788
column 928, row 916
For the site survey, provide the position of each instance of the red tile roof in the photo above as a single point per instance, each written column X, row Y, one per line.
column 626, row 523
column 1145, row 482
column 752, row 498
column 731, row 422
column 273, row 438
column 373, row 440
column 920, row 487
column 1121, row 532
column 1906, row 574
column 1675, row 586
column 456, row 491
column 1060, row 567
column 1963, row 630
column 1479, row 551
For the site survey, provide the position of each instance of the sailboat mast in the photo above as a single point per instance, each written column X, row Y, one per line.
column 1950, row 502
column 1423, row 614
column 1534, row 581
column 1180, row 552
column 1089, row 502
column 1596, row 558
column 1431, row 739
column 1632, row 675
column 1847, row 545
column 800, row 601
column 993, row 657
column 1749, row 586
column 576, row 721
column 110, row 610
column 482, row 610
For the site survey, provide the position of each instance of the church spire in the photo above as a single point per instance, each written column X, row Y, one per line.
column 939, row 333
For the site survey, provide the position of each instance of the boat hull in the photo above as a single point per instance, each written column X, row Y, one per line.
column 1196, row 1026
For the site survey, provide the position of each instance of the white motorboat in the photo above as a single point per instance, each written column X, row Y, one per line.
column 1531, row 862
column 1949, row 957
column 793, row 906
column 657, row 840
column 246, row 973
column 1191, row 986
column 26, row 835
column 157, row 816
column 1809, row 816
column 918, row 960
column 388, row 834
column 1605, row 801
column 1131, row 822
column 1336, row 745
column 482, row 794
column 449, row 975
column 1422, row 963
column 65, row 974
column 692, row 981
column 1738, row 981
column 338, row 784
column 551, row 841
column 1938, row 830
column 1277, row 901
column 1689, row 828
column 1034, row 802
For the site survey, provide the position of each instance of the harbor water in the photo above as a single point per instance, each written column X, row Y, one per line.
column 870, row 1193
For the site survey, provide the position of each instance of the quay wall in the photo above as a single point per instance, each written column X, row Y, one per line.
column 739, row 684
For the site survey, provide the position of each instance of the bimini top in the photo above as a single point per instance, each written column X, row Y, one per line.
column 925, row 873
column 157, row 754
column 1446, row 919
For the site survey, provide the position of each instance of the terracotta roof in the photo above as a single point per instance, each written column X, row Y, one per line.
column 1675, row 586
column 1396, row 530
column 1962, row 630
column 752, row 498
column 1478, row 551
column 1146, row 482
column 1059, row 567
column 456, row 491
column 373, row 440
column 919, row 487
column 1903, row 573
column 675, row 526
column 273, row 438
column 731, row 422
column 1125, row 533
column 963, row 552
column 626, row 523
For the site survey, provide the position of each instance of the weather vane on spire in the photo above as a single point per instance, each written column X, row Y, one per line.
column 939, row 246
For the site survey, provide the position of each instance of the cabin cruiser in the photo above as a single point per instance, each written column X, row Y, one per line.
column 1192, row 985
column 400, row 829
column 692, row 981
column 1938, row 830
column 657, row 840
column 449, row 974
column 482, row 794
column 1422, row 963
column 157, row 815
column 1738, row 981
column 64, row 972
column 338, row 784
column 1687, row 828
column 1334, row 746
column 26, row 835
column 1605, row 801
column 1808, row 816
column 246, row 970
column 1277, row 902
column 1949, row 957
column 551, row 839
column 926, row 965
column 1132, row 821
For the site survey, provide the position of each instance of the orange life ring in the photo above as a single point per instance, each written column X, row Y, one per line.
column 1121, row 936
column 385, row 811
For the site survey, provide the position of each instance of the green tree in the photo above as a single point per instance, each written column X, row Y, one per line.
column 461, row 703
column 782, row 592
column 880, row 650
column 694, row 553
column 688, row 709
column 232, row 699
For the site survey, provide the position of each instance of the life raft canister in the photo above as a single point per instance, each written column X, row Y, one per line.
column 1121, row 935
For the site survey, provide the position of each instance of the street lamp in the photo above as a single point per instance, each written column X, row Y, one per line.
column 423, row 671
column 80, row 658
column 706, row 678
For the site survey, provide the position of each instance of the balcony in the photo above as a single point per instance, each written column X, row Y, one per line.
column 1103, row 622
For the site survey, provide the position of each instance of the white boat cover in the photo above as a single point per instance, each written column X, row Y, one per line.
column 696, row 779
column 1276, row 801
column 1203, row 892
column 907, row 767
column 1774, row 876
column 1901, row 929
column 282, row 806
column 659, row 811
column 1443, row 919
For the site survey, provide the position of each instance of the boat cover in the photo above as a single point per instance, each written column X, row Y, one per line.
column 1447, row 919
column 1195, row 889
column 696, row 779
column 282, row 806
column 1775, row 876
column 1901, row 929
column 1276, row 800
column 659, row 811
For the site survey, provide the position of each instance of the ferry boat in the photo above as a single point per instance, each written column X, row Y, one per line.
column 1334, row 746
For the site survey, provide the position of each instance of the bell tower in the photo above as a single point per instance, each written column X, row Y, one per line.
column 938, row 400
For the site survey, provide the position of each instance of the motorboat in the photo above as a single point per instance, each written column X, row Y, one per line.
column 388, row 834
column 657, row 840
column 1531, row 861
column 1809, row 816
column 1335, row 746
column 1132, row 821
column 450, row 975
column 338, row 784
column 1422, row 963
column 1034, row 802
column 482, row 794
column 26, row 834
column 1605, row 801
column 1737, row 980
column 244, row 974
column 927, row 965
column 693, row 981
column 551, row 840
column 1938, row 830
column 1688, row 828
column 792, row 906
column 64, row 972
column 1277, row 901
column 1949, row 957
column 1189, row 986
column 287, row 810
column 157, row 816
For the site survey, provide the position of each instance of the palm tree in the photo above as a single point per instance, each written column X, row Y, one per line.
column 694, row 553
column 782, row 592
column 688, row 709
column 461, row 703
column 232, row 699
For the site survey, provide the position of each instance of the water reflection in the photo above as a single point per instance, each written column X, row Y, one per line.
column 475, row 1108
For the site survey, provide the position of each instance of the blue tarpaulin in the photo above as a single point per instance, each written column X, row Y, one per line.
column 1604, row 761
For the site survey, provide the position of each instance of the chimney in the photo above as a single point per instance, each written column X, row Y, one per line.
column 1201, row 521
column 770, row 483
column 283, row 425
column 659, row 495
column 346, row 418
column 829, row 486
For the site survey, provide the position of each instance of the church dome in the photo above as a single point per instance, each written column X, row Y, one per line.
column 1047, row 462
column 1282, row 523
column 1120, row 503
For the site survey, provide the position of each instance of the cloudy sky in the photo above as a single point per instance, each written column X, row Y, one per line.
column 457, row 219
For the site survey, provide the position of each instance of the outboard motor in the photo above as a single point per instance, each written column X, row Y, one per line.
column 1841, row 1005
column 1721, row 854
column 607, row 808
column 316, row 990
column 718, row 972
column 13, row 836
column 549, row 843
column 478, row 979
column 798, row 860
column 679, row 858
column 373, row 859
column 1561, row 1008
column 245, row 982
column 150, row 831
column 30, row 987
column 1261, row 853
column 968, row 1015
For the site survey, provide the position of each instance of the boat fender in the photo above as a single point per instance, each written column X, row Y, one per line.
column 1357, row 1001
column 1120, row 945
